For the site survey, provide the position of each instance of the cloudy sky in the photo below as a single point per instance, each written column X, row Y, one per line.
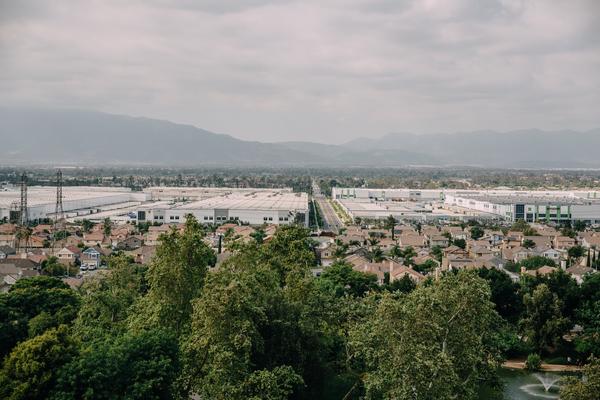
column 319, row 70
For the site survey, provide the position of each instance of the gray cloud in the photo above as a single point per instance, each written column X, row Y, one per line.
column 314, row 70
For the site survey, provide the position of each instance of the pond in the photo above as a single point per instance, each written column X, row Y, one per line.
column 523, row 385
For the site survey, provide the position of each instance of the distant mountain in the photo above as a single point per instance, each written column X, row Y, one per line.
column 519, row 149
column 92, row 138
column 46, row 136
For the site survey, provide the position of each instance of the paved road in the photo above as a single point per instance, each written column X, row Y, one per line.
column 331, row 222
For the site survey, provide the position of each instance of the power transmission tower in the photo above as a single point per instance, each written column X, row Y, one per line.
column 22, row 239
column 59, row 213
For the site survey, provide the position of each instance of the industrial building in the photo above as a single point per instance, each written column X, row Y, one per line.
column 77, row 200
column 531, row 206
column 555, row 206
column 160, row 204
column 274, row 206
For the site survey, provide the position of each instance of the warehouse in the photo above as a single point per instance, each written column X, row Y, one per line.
column 555, row 206
column 279, row 207
column 531, row 207
column 77, row 200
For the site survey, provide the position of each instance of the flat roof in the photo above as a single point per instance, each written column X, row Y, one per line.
column 535, row 200
column 263, row 200
column 42, row 195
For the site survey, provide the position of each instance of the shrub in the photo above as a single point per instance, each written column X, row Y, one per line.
column 534, row 362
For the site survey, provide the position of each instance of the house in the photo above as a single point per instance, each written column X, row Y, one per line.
column 386, row 244
column 69, row 254
column 6, row 251
column 564, row 242
column 377, row 269
column 144, row 254
column 591, row 241
column 578, row 272
column 93, row 239
column 414, row 241
column 398, row 272
column 542, row 271
column 10, row 273
column 131, row 243
column 7, row 239
column 539, row 241
column 326, row 252
column 438, row 240
column 91, row 258
column 356, row 260
column 455, row 231
column 550, row 253
column 495, row 237
column 477, row 251
column 8, row 229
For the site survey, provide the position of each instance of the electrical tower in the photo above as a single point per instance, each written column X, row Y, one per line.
column 24, row 220
column 22, row 239
column 59, row 213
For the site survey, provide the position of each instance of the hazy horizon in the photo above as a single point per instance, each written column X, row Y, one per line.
column 319, row 71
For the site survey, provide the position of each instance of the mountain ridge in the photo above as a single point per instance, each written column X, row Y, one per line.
column 45, row 136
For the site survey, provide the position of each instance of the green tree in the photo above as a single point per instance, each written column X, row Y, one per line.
column 87, row 225
column 403, row 285
column 460, row 243
column 536, row 262
column 106, row 302
column 53, row 267
column 583, row 389
column 258, row 235
column 477, row 232
column 29, row 372
column 543, row 323
column 107, row 227
column 576, row 252
column 528, row 244
column 257, row 316
column 579, row 226
column 140, row 366
column 390, row 224
column 504, row 293
column 342, row 279
column 34, row 304
column 433, row 343
column 175, row 277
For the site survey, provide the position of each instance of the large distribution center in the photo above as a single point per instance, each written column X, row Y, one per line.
column 77, row 200
column 273, row 206
column 506, row 204
column 162, row 204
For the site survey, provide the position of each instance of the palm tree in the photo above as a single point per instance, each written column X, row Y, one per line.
column 395, row 251
column 390, row 223
column 376, row 254
column 373, row 241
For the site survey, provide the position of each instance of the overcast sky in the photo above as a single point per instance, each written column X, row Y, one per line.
column 321, row 70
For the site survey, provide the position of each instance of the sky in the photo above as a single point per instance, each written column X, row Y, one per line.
column 318, row 70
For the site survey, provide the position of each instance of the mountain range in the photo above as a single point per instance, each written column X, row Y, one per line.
column 43, row 136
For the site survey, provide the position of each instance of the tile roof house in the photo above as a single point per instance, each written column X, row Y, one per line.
column 6, row 251
column 437, row 240
column 564, row 242
column 93, row 239
column 578, row 272
column 413, row 241
column 398, row 272
column 130, row 243
column 542, row 271
column 69, row 254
